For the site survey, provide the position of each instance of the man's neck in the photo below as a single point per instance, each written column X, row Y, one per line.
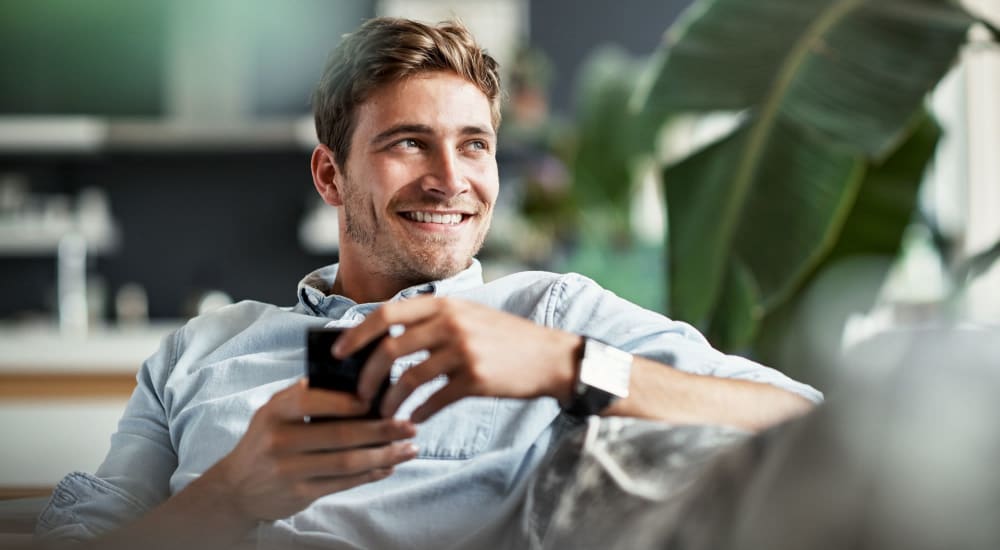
column 365, row 287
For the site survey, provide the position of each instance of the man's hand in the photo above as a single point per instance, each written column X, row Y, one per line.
column 483, row 351
column 282, row 464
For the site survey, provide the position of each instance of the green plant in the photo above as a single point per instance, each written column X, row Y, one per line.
column 605, row 148
column 824, row 160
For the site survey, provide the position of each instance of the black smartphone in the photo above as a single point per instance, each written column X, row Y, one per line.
column 326, row 371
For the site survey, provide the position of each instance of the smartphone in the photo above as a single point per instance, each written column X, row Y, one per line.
column 326, row 371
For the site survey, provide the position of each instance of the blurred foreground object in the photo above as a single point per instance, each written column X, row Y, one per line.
column 901, row 457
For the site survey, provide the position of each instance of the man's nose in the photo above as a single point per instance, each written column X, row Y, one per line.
column 446, row 178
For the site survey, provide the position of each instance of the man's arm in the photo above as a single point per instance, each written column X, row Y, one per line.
column 280, row 466
column 679, row 397
column 661, row 393
column 488, row 352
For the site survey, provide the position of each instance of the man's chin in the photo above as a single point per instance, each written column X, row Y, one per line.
column 444, row 271
column 423, row 270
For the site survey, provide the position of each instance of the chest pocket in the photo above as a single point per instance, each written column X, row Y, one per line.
column 460, row 430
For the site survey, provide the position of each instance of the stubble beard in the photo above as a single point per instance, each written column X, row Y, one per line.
column 414, row 264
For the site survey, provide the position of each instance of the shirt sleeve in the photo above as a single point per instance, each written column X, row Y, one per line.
column 582, row 306
column 135, row 474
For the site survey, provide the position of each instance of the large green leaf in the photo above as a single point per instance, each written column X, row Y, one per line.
column 882, row 211
column 853, row 71
column 736, row 319
column 888, row 196
column 802, row 192
column 865, row 213
column 828, row 87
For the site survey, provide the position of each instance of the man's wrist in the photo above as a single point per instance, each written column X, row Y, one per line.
column 570, row 351
column 216, row 489
column 603, row 376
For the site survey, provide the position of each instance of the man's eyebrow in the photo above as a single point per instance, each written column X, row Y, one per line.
column 424, row 129
column 398, row 129
column 477, row 131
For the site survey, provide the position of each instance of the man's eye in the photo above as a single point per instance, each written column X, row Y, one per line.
column 407, row 143
column 479, row 145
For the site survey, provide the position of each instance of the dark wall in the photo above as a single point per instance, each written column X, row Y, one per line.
column 189, row 222
column 569, row 30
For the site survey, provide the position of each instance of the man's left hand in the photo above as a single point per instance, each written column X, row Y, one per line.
column 483, row 352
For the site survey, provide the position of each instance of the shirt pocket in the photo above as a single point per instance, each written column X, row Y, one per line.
column 461, row 430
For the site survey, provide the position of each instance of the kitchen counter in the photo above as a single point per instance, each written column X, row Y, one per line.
column 43, row 349
column 61, row 397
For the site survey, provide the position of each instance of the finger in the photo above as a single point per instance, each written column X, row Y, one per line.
column 447, row 395
column 344, row 434
column 348, row 462
column 405, row 312
column 416, row 376
column 300, row 400
column 422, row 336
column 323, row 486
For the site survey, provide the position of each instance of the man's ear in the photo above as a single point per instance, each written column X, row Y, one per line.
column 327, row 175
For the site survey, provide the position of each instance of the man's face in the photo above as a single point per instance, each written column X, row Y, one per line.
column 420, row 182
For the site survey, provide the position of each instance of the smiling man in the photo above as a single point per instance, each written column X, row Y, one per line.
column 213, row 448
column 417, row 186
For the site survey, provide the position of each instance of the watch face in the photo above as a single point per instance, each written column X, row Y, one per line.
column 606, row 368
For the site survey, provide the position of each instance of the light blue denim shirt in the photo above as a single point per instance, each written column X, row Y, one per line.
column 197, row 393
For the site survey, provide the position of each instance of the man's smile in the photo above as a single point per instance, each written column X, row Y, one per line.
column 443, row 218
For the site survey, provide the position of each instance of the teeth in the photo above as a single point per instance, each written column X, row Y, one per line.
column 434, row 217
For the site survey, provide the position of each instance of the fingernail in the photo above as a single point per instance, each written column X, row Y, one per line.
column 410, row 450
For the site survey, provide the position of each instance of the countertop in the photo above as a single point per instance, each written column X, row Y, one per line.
column 42, row 349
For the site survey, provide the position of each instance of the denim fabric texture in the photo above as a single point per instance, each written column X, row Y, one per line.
column 196, row 395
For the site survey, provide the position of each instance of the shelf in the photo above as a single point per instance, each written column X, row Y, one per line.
column 36, row 239
column 90, row 135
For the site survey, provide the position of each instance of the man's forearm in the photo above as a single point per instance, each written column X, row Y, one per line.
column 671, row 395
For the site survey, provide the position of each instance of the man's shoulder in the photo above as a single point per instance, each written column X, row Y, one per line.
column 245, row 317
column 529, row 293
column 541, row 279
column 237, row 314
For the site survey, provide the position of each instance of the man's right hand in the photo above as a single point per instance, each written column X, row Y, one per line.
column 282, row 464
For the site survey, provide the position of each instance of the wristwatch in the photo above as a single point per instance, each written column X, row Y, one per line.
column 602, row 377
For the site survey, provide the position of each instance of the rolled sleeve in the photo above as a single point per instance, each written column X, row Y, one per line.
column 135, row 474
column 84, row 506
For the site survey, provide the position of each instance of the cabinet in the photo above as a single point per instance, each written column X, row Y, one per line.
column 61, row 397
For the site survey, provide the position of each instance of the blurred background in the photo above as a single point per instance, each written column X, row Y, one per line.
column 154, row 164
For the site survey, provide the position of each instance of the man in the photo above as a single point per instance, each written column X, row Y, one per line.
column 213, row 449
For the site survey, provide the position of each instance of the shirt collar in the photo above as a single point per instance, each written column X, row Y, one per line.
column 312, row 289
